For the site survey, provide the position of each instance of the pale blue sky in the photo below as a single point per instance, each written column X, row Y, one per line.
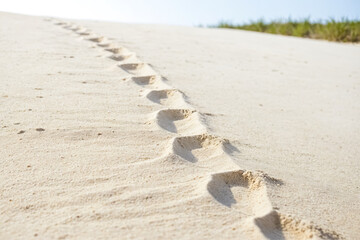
column 185, row 12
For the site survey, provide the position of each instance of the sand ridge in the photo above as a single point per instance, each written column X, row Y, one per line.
column 192, row 143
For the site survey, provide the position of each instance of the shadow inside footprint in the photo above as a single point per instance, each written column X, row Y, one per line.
column 137, row 68
column 145, row 80
column 241, row 191
column 166, row 118
column 96, row 39
column 220, row 186
column 115, row 50
column 119, row 58
column 270, row 226
column 184, row 145
column 167, row 97
column 191, row 148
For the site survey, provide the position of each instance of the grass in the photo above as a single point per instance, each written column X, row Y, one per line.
column 332, row 30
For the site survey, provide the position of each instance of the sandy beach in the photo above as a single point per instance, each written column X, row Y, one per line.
column 130, row 131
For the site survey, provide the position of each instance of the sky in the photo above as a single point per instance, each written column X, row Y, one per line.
column 185, row 12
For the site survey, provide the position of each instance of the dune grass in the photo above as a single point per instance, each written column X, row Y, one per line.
column 332, row 30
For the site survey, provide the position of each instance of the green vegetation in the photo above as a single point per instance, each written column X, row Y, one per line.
column 332, row 30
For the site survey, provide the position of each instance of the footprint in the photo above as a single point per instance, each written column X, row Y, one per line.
column 278, row 226
column 97, row 39
column 231, row 189
column 121, row 58
column 105, row 45
column 71, row 27
column 246, row 192
column 168, row 97
column 193, row 148
column 137, row 68
column 182, row 121
column 116, row 50
column 146, row 80
column 60, row 23
column 150, row 81
column 77, row 29
column 84, row 33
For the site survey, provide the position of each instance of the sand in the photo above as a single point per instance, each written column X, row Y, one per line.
column 127, row 131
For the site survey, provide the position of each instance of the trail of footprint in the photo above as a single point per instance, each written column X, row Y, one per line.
column 181, row 121
column 240, row 190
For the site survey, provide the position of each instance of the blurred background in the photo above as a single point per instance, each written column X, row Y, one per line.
column 187, row 12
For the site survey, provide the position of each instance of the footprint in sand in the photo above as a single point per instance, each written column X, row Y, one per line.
column 97, row 39
column 246, row 193
column 122, row 58
column 84, row 33
column 181, row 121
column 150, row 81
column 60, row 23
column 168, row 97
column 105, row 45
column 116, row 50
column 138, row 69
column 196, row 147
column 231, row 190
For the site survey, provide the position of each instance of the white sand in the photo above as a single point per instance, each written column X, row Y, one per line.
column 95, row 143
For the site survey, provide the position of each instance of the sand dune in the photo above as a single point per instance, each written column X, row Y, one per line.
column 121, row 153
